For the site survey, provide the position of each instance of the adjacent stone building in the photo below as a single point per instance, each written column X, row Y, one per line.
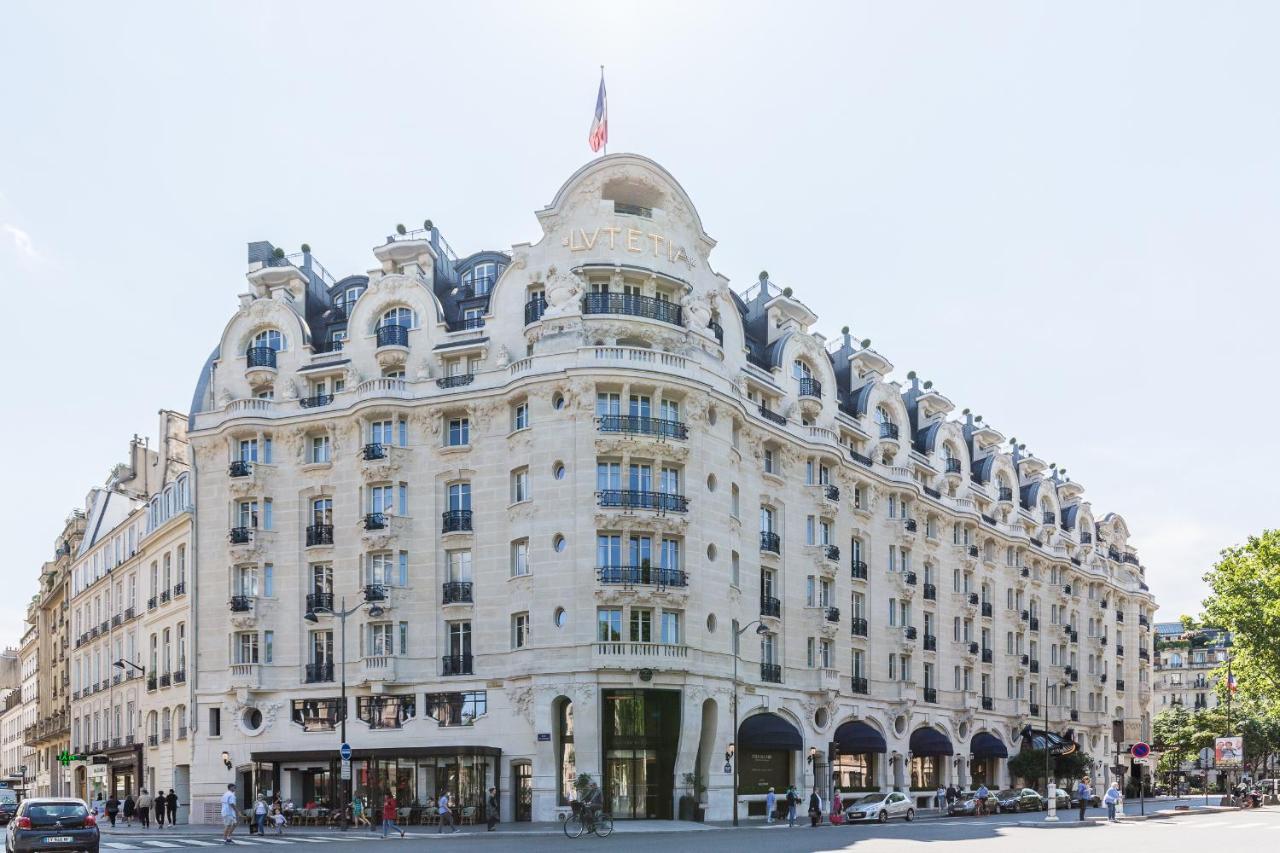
column 580, row 499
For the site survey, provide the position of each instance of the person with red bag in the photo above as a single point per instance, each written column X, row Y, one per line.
column 837, row 809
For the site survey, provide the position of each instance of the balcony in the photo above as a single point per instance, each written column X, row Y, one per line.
column 315, row 401
column 166, row 679
column 770, row 606
column 375, row 521
column 1005, row 495
column 534, row 309
column 260, row 366
column 457, row 592
column 1119, row 685
column 240, row 535
column 830, row 492
column 456, row 665
column 860, row 685
column 1024, row 572
column 972, row 551
column 972, row 599
column 1086, row 538
column 180, row 676
column 1075, row 715
column 861, row 459
column 770, row 415
column 930, row 642
column 858, row 570
column 931, row 695
column 930, row 592
column 987, row 655
column 889, row 431
column 1119, row 650
column 771, row 673
column 639, row 654
column 637, row 425
column 909, row 578
column 392, row 335
column 858, row 626
column 832, row 614
column 245, row 675
column 987, row 609
column 165, row 597
column 153, row 602
column 910, row 632
column 810, row 388
column 241, row 603
column 373, row 450
column 319, row 672
column 152, row 682
column 319, row 534
column 1066, row 589
column 375, row 592
column 1034, row 624
column 1144, row 622
column 632, row 305
column 988, row 703
column 179, row 588
column 319, row 601
column 1025, row 615
column 770, row 541
column 642, row 499
column 831, row 552
column 642, row 575
column 973, row 648
column 240, row 468
column 455, row 521
column 1144, row 654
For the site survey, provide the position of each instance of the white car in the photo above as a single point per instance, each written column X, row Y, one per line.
column 880, row 807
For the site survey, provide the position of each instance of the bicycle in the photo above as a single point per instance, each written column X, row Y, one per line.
column 582, row 821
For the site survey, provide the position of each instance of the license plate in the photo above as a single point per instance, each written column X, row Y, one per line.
column 58, row 839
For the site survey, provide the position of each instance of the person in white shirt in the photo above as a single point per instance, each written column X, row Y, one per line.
column 228, row 813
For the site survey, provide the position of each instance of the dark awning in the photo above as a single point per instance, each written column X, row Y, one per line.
column 930, row 742
column 854, row 737
column 986, row 745
column 768, row 731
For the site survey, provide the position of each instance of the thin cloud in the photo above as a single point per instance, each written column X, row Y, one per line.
column 21, row 240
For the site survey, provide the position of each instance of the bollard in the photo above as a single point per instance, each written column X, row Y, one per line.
column 1053, row 803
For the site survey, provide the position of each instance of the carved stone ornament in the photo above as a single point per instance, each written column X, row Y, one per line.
column 563, row 291
column 522, row 702
column 269, row 711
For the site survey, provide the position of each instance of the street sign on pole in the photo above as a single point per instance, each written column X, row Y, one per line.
column 346, row 768
column 1140, row 750
column 344, row 752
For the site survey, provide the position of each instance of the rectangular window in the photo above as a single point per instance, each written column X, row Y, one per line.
column 404, row 568
column 609, row 624
column 402, row 498
column 319, row 448
column 459, row 566
column 641, row 625
column 671, row 627
column 215, row 722
column 519, row 630
column 268, row 643
column 246, row 647
column 404, row 637
column 520, row 485
column 520, row 557
column 735, row 569
column 520, row 417
column 459, row 432
column 268, row 580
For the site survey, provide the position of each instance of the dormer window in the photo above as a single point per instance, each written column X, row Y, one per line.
column 269, row 339
column 481, row 277
column 399, row 316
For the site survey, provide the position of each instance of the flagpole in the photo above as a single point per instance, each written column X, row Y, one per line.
column 604, row 148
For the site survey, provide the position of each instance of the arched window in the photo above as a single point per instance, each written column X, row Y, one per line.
column 398, row 316
column 801, row 370
column 883, row 416
column 270, row 338
column 166, row 725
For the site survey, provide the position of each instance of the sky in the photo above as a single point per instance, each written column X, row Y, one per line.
column 1065, row 215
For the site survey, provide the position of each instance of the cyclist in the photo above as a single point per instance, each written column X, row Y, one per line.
column 982, row 796
column 594, row 803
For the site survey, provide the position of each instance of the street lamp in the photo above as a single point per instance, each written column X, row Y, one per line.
column 761, row 630
column 342, row 613
column 122, row 663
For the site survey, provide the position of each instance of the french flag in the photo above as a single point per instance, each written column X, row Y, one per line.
column 599, row 136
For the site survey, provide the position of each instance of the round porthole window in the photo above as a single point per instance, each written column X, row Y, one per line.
column 820, row 718
column 557, row 401
column 252, row 719
column 964, row 730
column 561, row 617
column 900, row 724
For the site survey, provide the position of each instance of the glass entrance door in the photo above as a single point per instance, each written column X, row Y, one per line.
column 522, row 789
column 629, row 792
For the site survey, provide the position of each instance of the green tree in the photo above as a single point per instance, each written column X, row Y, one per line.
column 1029, row 766
column 1245, row 600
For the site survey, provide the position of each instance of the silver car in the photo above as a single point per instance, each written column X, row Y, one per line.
column 880, row 807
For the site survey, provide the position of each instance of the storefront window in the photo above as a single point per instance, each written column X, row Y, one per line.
column 457, row 709
column 926, row 772
column 318, row 715
column 854, row 772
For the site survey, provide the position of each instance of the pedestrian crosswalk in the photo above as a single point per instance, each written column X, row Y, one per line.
column 253, row 841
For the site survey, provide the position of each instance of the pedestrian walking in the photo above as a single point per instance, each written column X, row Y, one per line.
column 390, row 815
column 446, row 814
column 113, row 809
column 128, row 807
column 491, row 809
column 837, row 809
column 1082, row 791
column 171, row 808
column 143, row 808
column 815, row 808
column 939, row 797
column 951, row 794
column 228, row 812
column 259, row 814
column 278, row 820
column 770, row 806
column 159, row 809
column 1109, row 799
column 792, row 800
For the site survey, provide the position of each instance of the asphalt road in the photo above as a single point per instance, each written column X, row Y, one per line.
column 1259, row 830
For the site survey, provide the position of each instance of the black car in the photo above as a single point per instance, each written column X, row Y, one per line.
column 52, row 823
column 8, row 808
column 1023, row 800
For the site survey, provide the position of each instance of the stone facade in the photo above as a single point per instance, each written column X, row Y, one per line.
column 554, row 502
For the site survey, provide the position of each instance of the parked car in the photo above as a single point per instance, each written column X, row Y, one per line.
column 1061, row 797
column 1024, row 800
column 52, row 823
column 880, row 807
column 967, row 804
column 1094, row 801
column 8, row 806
